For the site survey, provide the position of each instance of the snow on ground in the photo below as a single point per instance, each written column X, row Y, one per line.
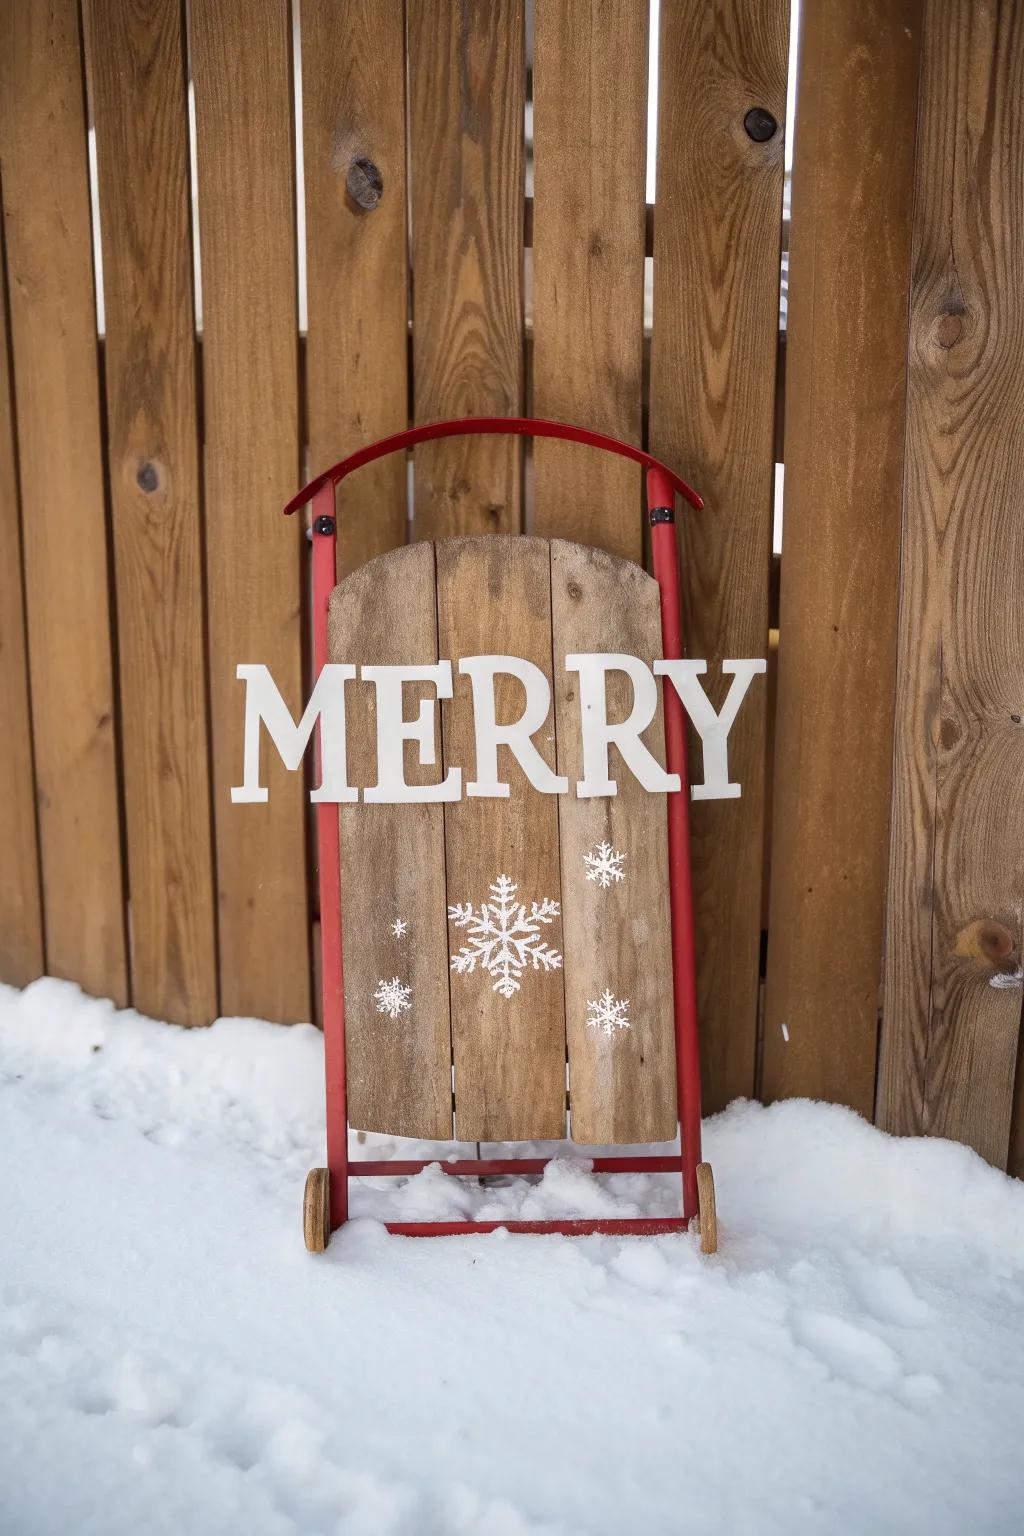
column 172, row 1360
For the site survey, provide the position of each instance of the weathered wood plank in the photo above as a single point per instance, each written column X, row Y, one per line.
column 466, row 83
column 845, row 426
column 494, row 598
column 250, row 395
column 139, row 75
column 21, row 914
column 53, row 339
column 590, row 144
column 398, row 1058
column 956, row 884
column 617, row 934
column 716, row 303
column 353, row 99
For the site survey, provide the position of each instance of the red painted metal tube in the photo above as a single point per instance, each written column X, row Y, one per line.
column 516, row 426
column 487, row 1167
column 623, row 1226
column 661, row 498
column 329, row 854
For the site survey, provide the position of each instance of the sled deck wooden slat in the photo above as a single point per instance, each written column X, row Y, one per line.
column 617, row 935
column 392, row 866
column 494, row 597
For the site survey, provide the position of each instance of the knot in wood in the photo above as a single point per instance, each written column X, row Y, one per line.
column 146, row 477
column 759, row 125
column 364, row 183
column 989, row 941
column 948, row 330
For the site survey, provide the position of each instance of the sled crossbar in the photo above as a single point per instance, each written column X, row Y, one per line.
column 489, row 1167
column 608, row 1226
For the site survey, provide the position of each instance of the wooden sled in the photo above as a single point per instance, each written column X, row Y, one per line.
column 488, row 945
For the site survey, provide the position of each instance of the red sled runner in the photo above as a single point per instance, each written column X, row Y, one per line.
column 506, row 964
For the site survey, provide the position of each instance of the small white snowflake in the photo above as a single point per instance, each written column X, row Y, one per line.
column 503, row 937
column 399, row 927
column 608, row 1013
column 604, row 864
column 393, row 997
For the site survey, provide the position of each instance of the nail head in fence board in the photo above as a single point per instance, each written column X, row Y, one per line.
column 466, row 83
column 53, row 336
column 950, row 1039
column 621, row 1085
column 139, row 83
column 392, row 865
column 21, row 917
column 353, row 99
column 250, row 399
column 494, row 598
column 845, row 427
column 590, row 145
column 716, row 316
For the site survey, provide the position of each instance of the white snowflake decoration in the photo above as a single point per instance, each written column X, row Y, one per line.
column 393, row 997
column 608, row 1013
column 504, row 938
column 399, row 927
column 604, row 864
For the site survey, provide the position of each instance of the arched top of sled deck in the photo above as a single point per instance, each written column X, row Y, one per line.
column 518, row 426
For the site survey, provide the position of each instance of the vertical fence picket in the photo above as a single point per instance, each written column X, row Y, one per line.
column 353, row 99
column 466, row 85
column 250, row 408
column 139, row 83
column 21, row 918
column 956, row 899
column 717, row 232
column 845, row 427
column 590, row 142
column 56, row 380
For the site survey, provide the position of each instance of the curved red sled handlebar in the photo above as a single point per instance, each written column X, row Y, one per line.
column 519, row 426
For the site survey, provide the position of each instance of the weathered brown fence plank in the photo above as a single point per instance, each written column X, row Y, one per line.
column 466, row 83
column 139, row 83
column 21, row 916
column 716, row 305
column 53, row 336
column 845, row 426
column 956, row 887
column 617, row 937
column 353, row 99
column 250, row 396
column 494, row 597
column 590, row 143
column 398, row 1053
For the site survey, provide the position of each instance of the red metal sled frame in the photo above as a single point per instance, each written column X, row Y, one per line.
column 662, row 487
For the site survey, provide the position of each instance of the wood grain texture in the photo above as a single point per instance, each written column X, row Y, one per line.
column 53, row 336
column 956, row 884
column 21, row 913
column 466, row 83
column 250, row 403
column 716, row 312
column 617, row 937
column 845, row 426
column 392, row 865
column 139, row 84
column 590, row 149
column 494, row 598
column 353, row 102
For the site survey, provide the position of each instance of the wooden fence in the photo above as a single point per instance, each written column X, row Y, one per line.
column 142, row 470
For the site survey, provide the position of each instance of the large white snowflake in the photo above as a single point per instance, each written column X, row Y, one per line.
column 393, row 997
column 608, row 1013
column 604, row 864
column 503, row 937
